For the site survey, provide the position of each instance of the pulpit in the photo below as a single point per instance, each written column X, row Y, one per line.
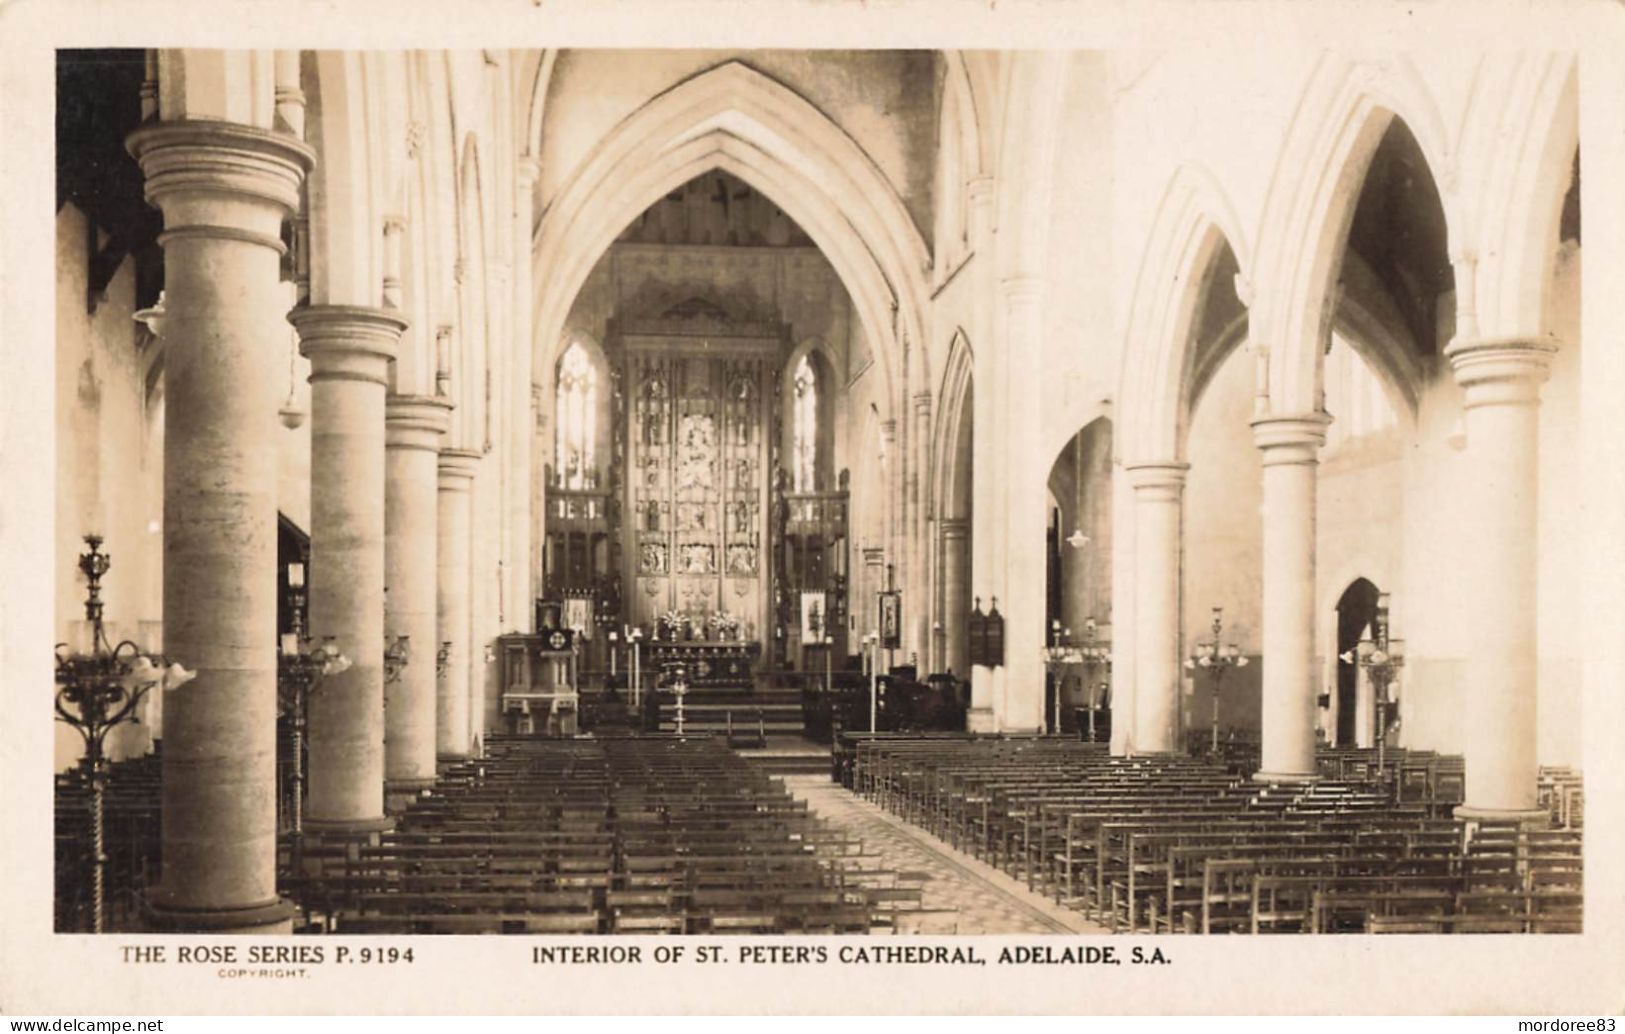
column 540, row 693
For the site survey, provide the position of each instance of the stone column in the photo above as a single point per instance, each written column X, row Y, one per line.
column 457, row 468
column 893, row 535
column 1122, row 674
column 414, row 425
column 1290, row 446
column 522, row 421
column 1021, row 487
column 1158, row 491
column 350, row 348
column 1501, row 384
column 224, row 190
column 956, row 594
column 980, row 196
column 918, row 609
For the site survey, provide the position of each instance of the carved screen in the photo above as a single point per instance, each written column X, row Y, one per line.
column 695, row 487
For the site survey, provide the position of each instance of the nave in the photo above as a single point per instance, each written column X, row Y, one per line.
column 618, row 832
column 448, row 434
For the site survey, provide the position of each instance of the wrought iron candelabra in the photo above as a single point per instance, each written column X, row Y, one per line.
column 442, row 659
column 871, row 643
column 1089, row 653
column 1057, row 656
column 300, row 671
column 1381, row 657
column 96, row 693
column 1097, row 654
column 679, row 690
column 1217, row 657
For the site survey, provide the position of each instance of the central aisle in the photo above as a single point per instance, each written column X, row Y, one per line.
column 960, row 894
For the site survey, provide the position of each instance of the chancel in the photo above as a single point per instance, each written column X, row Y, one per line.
column 768, row 491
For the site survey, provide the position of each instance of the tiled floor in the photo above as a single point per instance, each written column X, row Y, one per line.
column 960, row 894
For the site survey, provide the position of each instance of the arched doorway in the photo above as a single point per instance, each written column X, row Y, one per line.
column 1356, row 609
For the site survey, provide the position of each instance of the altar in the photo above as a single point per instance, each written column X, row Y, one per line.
column 709, row 664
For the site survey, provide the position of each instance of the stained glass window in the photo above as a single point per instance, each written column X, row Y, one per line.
column 805, row 426
column 576, row 410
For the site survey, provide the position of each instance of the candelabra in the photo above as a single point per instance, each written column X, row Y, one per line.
column 99, row 691
column 1381, row 658
column 442, row 659
column 679, row 688
column 871, row 644
column 634, row 635
column 829, row 666
column 300, row 670
column 1097, row 654
column 1218, row 658
column 397, row 655
column 1057, row 656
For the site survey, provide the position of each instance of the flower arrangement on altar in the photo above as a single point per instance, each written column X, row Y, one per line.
column 724, row 626
column 670, row 624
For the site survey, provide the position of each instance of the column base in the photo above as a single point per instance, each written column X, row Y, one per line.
column 273, row 917
column 1529, row 818
column 409, row 785
column 442, row 762
column 1286, row 777
column 980, row 720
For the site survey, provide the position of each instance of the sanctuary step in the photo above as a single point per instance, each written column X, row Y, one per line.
column 772, row 712
column 788, row 756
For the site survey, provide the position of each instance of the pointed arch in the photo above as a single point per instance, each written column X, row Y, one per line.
column 948, row 480
column 1194, row 223
column 739, row 120
column 974, row 95
column 1529, row 138
column 471, row 347
column 339, row 189
column 1346, row 108
column 536, row 113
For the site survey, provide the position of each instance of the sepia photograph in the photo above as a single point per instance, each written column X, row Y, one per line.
column 933, row 508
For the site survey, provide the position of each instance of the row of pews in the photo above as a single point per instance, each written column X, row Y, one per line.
column 130, row 844
column 629, row 834
column 1176, row 844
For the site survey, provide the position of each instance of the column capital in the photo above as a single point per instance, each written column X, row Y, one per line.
column 1291, row 439
column 416, row 421
column 347, row 342
column 458, row 467
column 1148, row 479
column 1500, row 371
column 197, row 159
